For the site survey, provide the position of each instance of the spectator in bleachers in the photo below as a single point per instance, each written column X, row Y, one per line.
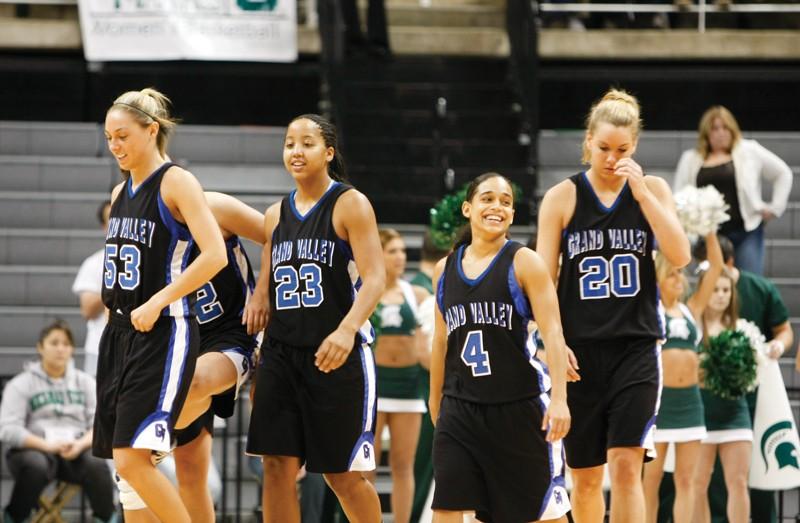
column 735, row 166
column 761, row 303
column 376, row 41
column 87, row 287
column 46, row 419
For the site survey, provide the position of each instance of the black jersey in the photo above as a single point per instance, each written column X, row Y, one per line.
column 221, row 301
column 146, row 249
column 314, row 278
column 489, row 356
column 607, row 285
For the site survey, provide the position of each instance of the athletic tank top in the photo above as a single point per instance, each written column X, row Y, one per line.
column 146, row 249
column 221, row 301
column 489, row 356
column 607, row 285
column 314, row 279
column 682, row 333
column 398, row 319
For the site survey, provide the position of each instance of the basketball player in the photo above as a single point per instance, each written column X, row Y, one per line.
column 497, row 446
column 604, row 224
column 231, row 314
column 315, row 396
column 149, row 347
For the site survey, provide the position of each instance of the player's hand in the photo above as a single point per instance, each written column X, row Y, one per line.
column 572, row 366
column 334, row 349
column 144, row 316
column 556, row 420
column 55, row 447
column 631, row 170
column 433, row 408
column 71, row 451
column 255, row 313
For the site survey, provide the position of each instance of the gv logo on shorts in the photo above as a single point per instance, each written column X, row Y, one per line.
column 558, row 497
column 366, row 451
column 161, row 431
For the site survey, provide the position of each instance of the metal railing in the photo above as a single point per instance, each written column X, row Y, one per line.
column 702, row 8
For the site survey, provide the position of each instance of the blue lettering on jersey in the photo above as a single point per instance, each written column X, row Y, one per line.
column 455, row 317
column 316, row 250
column 491, row 313
column 281, row 252
column 634, row 240
column 137, row 230
column 579, row 242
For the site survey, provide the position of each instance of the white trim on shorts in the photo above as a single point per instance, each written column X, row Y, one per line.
column 556, row 501
column 362, row 457
column 648, row 438
column 398, row 406
column 715, row 437
column 680, row 435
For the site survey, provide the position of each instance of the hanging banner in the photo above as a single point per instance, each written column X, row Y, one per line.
column 226, row 30
column 774, row 464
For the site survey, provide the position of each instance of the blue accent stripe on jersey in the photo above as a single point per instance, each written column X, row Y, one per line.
column 176, row 228
column 133, row 192
column 233, row 250
column 541, row 369
column 518, row 295
column 302, row 217
column 185, row 263
column 597, row 199
column 440, row 293
column 476, row 281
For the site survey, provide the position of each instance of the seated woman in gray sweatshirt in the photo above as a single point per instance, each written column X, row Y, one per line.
column 46, row 423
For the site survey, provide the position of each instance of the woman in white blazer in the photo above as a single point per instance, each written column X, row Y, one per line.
column 735, row 166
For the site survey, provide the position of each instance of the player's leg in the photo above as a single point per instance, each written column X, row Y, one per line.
column 627, row 494
column 155, row 490
column 214, row 374
column 279, row 501
column 192, row 462
column 404, row 430
column 357, row 495
column 588, row 504
column 653, row 472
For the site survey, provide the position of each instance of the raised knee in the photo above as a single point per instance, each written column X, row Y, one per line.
column 128, row 463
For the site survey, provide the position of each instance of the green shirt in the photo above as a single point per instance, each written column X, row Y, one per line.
column 760, row 302
column 423, row 280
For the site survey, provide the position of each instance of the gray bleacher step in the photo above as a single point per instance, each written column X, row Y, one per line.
column 13, row 359
column 37, row 285
column 48, row 246
column 225, row 144
column 790, row 292
column 656, row 149
column 780, row 258
column 57, row 173
column 75, row 210
column 51, row 138
column 21, row 325
column 270, row 179
column 788, row 225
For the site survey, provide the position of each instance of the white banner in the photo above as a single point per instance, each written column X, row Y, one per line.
column 234, row 30
column 776, row 448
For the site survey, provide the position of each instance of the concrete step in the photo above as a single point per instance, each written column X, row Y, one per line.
column 20, row 325
column 790, row 292
column 657, row 149
column 38, row 285
column 788, row 225
column 34, row 172
column 199, row 143
column 69, row 210
column 780, row 258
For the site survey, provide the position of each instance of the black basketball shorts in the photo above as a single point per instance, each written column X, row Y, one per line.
column 616, row 401
column 495, row 460
column 142, row 382
column 327, row 420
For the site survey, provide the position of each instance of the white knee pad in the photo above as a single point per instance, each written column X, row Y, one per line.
column 128, row 498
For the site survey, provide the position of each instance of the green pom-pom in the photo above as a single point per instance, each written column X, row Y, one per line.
column 729, row 365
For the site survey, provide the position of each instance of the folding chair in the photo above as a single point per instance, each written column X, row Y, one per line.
column 50, row 507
